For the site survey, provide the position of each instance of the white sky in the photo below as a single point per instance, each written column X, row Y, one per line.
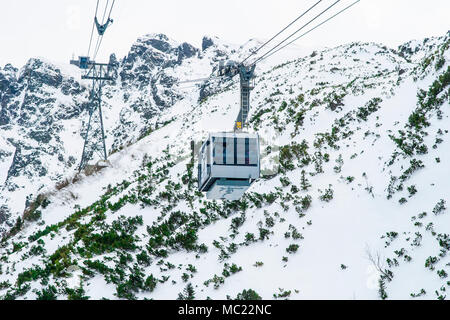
column 56, row 29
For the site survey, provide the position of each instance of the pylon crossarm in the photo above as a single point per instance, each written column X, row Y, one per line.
column 99, row 71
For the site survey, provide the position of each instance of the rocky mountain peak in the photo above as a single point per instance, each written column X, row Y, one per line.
column 416, row 50
column 330, row 113
column 207, row 42
column 8, row 69
column 156, row 41
column 38, row 72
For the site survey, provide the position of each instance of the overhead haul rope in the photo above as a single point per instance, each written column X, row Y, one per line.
column 200, row 79
column 297, row 31
column 194, row 80
column 274, row 49
column 92, row 31
column 304, row 34
column 290, row 24
column 100, row 38
column 104, row 12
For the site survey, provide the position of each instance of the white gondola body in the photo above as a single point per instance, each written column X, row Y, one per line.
column 228, row 164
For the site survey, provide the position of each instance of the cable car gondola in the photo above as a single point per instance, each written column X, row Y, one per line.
column 228, row 164
column 229, row 161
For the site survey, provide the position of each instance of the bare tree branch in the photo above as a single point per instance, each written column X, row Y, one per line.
column 377, row 261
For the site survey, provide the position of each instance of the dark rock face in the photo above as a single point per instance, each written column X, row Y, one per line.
column 409, row 49
column 37, row 100
column 142, row 60
column 26, row 163
column 12, row 172
column 30, row 105
column 208, row 89
column 10, row 68
column 159, row 42
column 4, row 154
column 70, row 87
column 37, row 73
column 147, row 68
column 9, row 88
column 113, row 61
column 206, row 43
column 40, row 136
column 115, row 65
column 186, row 51
column 4, row 214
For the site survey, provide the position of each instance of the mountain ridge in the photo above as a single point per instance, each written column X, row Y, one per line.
column 286, row 101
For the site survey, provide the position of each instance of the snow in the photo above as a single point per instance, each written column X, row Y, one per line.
column 336, row 233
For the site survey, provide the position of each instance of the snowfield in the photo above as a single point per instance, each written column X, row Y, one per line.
column 352, row 203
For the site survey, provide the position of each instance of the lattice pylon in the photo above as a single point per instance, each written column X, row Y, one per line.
column 94, row 138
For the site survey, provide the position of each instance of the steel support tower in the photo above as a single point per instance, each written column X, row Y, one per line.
column 94, row 138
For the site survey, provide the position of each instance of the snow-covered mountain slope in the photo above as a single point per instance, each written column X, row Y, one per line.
column 351, row 204
column 43, row 110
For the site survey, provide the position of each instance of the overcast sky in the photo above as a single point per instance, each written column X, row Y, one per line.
column 56, row 29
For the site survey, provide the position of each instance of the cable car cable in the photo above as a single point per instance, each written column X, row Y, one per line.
column 200, row 79
column 104, row 12
column 109, row 16
column 310, row 30
column 294, row 33
column 100, row 39
column 96, row 47
column 290, row 24
column 92, row 31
